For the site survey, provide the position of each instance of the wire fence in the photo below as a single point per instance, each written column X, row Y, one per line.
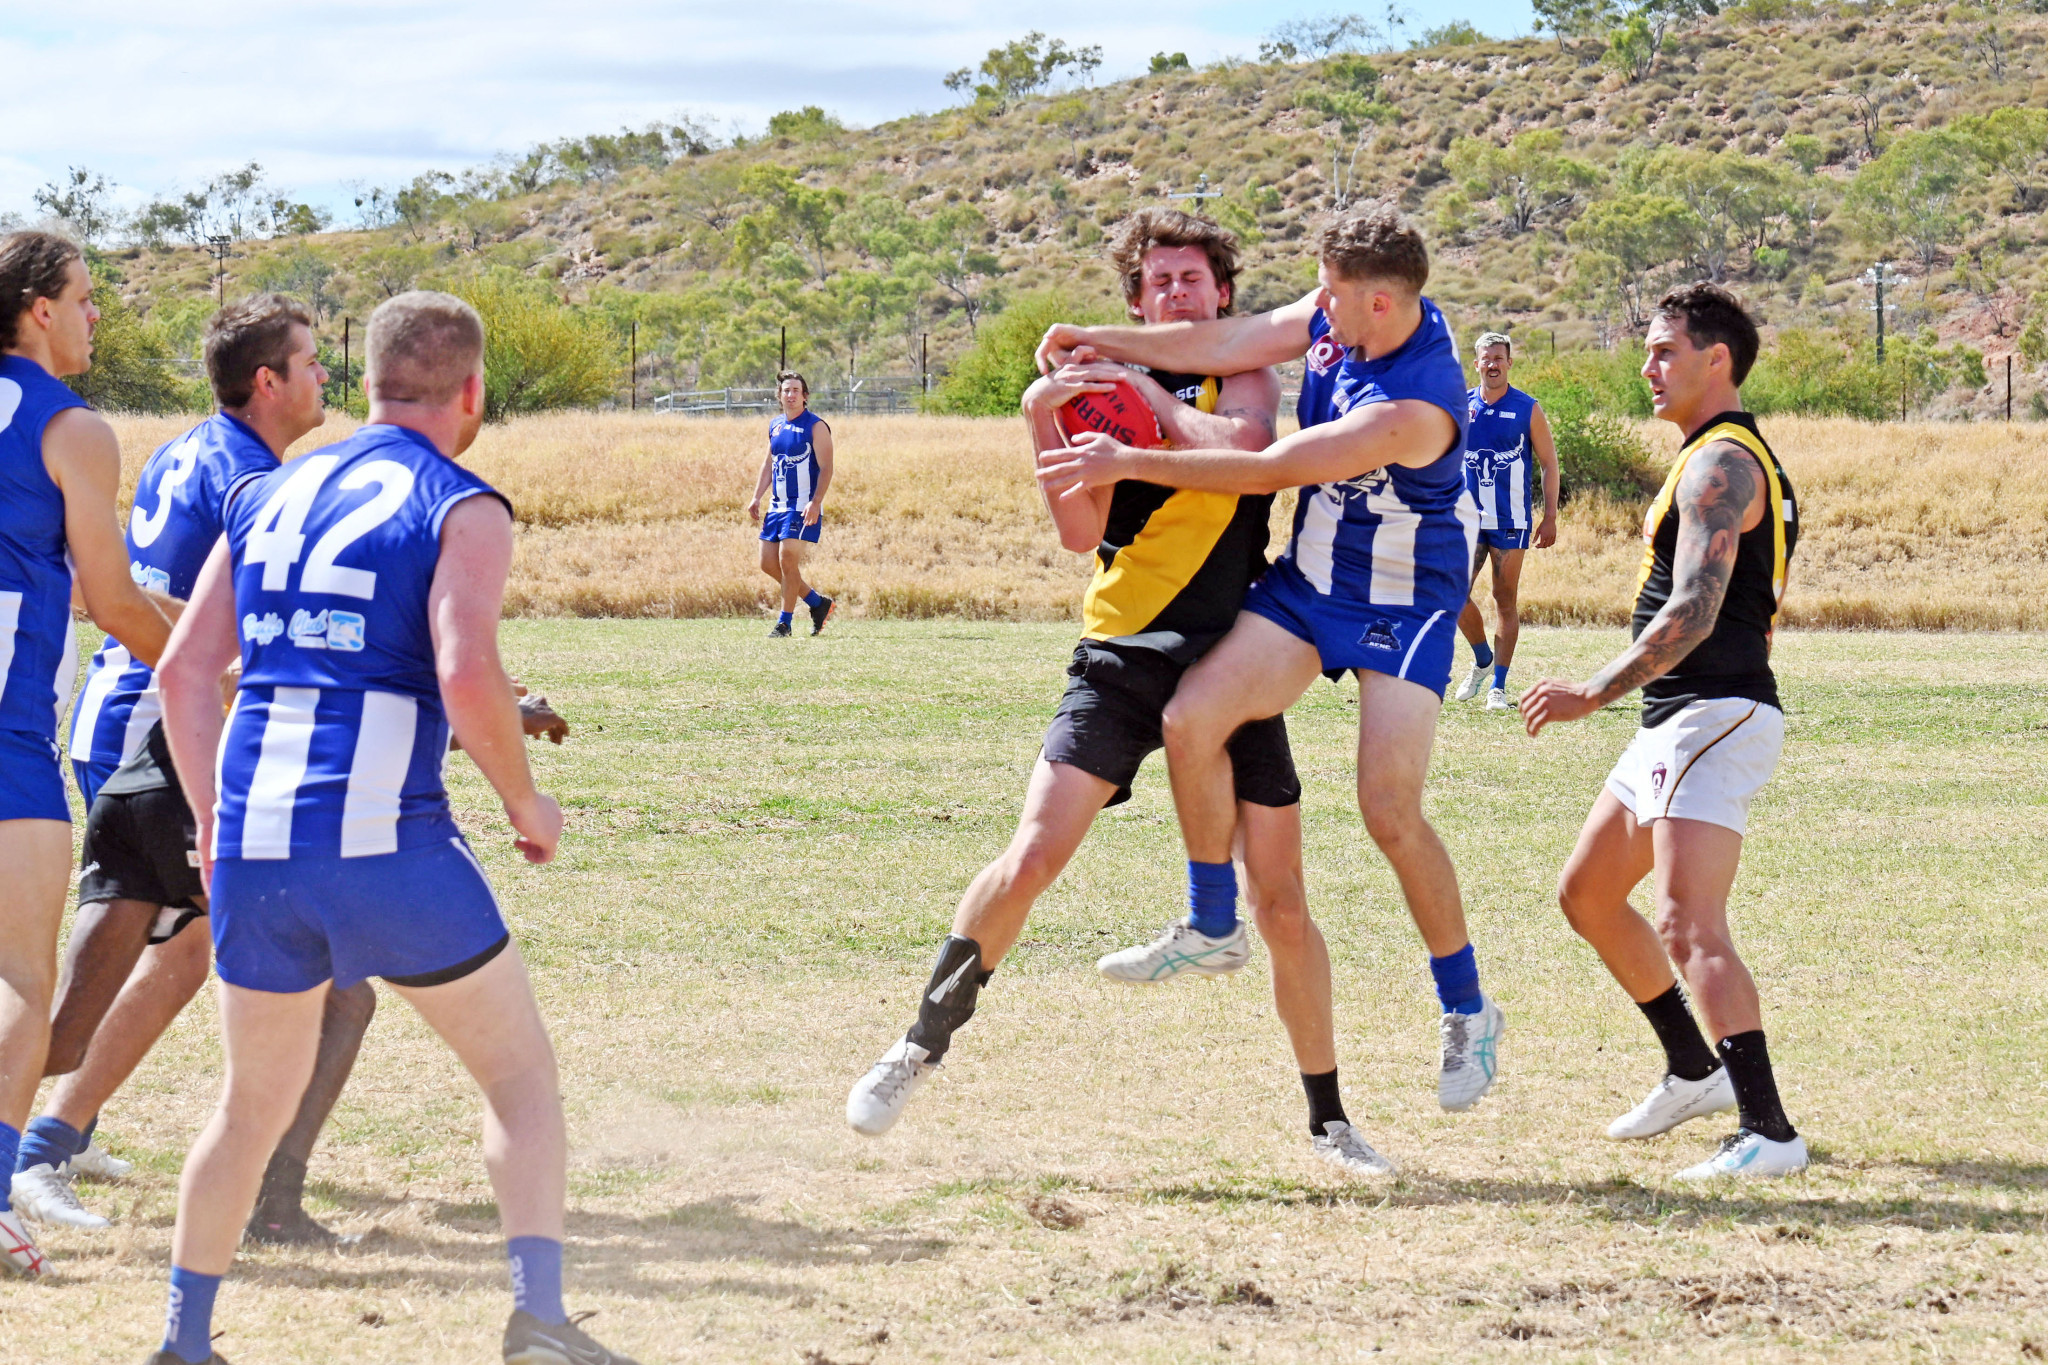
column 869, row 394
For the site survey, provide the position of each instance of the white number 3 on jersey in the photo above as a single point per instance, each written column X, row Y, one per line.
column 278, row 537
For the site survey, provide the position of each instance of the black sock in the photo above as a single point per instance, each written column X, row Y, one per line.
column 1756, row 1089
column 948, row 1000
column 1324, row 1106
column 1686, row 1054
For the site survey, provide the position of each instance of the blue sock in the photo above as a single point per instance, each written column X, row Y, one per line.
column 10, row 1144
column 537, row 1277
column 814, row 598
column 1500, row 675
column 783, row 619
column 85, row 1134
column 188, row 1321
column 1212, row 898
column 1457, row 981
column 1482, row 653
column 48, row 1142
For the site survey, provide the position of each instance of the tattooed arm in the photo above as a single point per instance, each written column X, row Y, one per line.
column 1716, row 503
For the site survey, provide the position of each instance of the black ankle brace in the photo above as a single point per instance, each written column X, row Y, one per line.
column 949, row 997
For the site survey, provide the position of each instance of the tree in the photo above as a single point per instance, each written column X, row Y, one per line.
column 285, row 218
column 1023, row 66
column 1315, row 38
column 539, row 353
column 955, row 249
column 1911, row 196
column 302, row 272
column 788, row 211
column 1530, row 175
column 1637, row 40
column 1623, row 243
column 1163, row 62
column 130, row 362
column 1871, row 97
column 1074, row 116
column 231, row 205
column 1572, row 19
column 157, row 222
column 80, row 201
column 1456, row 33
column 2012, row 142
column 990, row 379
column 1348, row 101
column 808, row 124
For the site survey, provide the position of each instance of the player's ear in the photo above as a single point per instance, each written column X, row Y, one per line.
column 473, row 395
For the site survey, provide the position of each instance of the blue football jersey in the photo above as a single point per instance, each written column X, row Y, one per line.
column 1500, row 460
column 795, row 475
column 337, row 739
column 1395, row 536
column 37, row 654
column 179, row 500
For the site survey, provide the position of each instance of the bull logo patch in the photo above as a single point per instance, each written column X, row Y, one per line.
column 1380, row 635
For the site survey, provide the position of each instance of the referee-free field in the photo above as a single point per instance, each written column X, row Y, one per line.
column 766, row 840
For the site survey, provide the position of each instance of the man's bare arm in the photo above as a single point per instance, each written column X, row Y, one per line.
column 1546, row 456
column 1224, row 346
column 1080, row 521
column 1247, row 406
column 84, row 461
column 1713, row 500
column 1408, row 432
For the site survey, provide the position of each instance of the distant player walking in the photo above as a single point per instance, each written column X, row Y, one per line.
column 1720, row 537
column 362, row 586
column 1171, row 570
column 60, row 467
column 1372, row 582
column 794, row 478
column 1506, row 444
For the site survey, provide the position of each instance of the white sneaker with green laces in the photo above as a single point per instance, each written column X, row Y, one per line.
column 1747, row 1155
column 1341, row 1145
column 1471, row 1044
column 1474, row 681
column 1178, row 950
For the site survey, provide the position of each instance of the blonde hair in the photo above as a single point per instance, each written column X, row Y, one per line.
column 423, row 345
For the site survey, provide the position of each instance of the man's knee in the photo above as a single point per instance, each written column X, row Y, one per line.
column 1030, row 866
column 1193, row 726
column 1584, row 908
column 1280, row 912
column 1392, row 815
column 1691, row 933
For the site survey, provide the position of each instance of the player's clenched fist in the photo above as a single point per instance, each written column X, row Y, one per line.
column 538, row 819
column 1064, row 344
column 1091, row 461
column 1554, row 699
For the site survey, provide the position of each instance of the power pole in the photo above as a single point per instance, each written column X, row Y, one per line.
column 924, row 370
column 344, row 362
column 221, row 246
column 1875, row 276
column 783, row 363
column 2008, row 386
column 1201, row 193
column 633, row 369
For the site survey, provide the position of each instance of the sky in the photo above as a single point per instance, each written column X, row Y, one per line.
column 159, row 98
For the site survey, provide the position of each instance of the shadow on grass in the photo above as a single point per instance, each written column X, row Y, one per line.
column 1992, row 1174
column 607, row 1249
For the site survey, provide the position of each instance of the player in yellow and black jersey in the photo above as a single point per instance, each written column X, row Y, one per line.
column 1172, row 567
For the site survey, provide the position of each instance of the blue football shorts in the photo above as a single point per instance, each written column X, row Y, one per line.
column 790, row 526
column 1504, row 538
column 31, row 778
column 91, row 777
column 419, row 917
column 1411, row 643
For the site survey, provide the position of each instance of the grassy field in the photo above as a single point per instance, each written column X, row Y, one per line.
column 1913, row 526
column 766, row 841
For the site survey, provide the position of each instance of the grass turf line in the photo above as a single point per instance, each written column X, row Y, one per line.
column 766, row 840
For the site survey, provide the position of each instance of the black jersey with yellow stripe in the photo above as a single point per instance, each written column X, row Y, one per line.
column 1174, row 563
column 1735, row 660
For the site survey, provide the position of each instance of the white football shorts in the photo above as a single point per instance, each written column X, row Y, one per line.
column 1705, row 763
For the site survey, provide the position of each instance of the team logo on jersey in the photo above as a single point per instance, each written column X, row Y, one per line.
column 262, row 629
column 1380, row 635
column 155, row 580
column 1324, row 355
column 345, row 631
column 1657, row 780
column 309, row 629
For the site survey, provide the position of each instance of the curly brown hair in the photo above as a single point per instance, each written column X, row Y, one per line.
column 1156, row 227
column 1375, row 242
column 33, row 265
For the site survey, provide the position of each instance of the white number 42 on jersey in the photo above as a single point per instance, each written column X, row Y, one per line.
column 278, row 537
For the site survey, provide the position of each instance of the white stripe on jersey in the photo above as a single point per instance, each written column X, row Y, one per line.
column 148, row 708
column 86, row 718
column 376, row 774
column 280, row 768
column 10, row 623
column 1315, row 548
column 1393, row 547
column 67, row 669
column 1518, row 491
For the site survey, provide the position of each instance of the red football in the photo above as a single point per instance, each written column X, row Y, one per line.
column 1121, row 413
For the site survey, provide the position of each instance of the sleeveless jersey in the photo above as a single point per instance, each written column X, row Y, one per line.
column 1392, row 537
column 1735, row 660
column 37, row 653
column 179, row 501
column 795, row 475
column 1173, row 565
column 1500, row 461
column 337, row 739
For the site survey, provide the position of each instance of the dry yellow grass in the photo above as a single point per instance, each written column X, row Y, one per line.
column 1916, row 526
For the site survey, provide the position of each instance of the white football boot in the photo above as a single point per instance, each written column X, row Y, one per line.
column 1178, row 950
column 877, row 1099
column 1497, row 699
column 1471, row 1045
column 44, row 1194
column 96, row 1163
column 1675, row 1101
column 1341, row 1145
column 1748, row 1155
column 1474, row 681
column 18, row 1252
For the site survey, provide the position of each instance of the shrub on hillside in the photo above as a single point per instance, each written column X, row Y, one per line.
column 1593, row 399
column 991, row 378
column 131, row 369
column 540, row 353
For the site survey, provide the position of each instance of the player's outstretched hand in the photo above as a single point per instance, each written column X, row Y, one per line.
column 1069, row 382
column 1554, row 699
column 1092, row 461
column 539, row 824
column 540, row 720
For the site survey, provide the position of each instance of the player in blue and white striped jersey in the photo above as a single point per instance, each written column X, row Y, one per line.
column 1507, row 445
column 362, row 586
column 60, row 467
column 1372, row 582
column 794, row 478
